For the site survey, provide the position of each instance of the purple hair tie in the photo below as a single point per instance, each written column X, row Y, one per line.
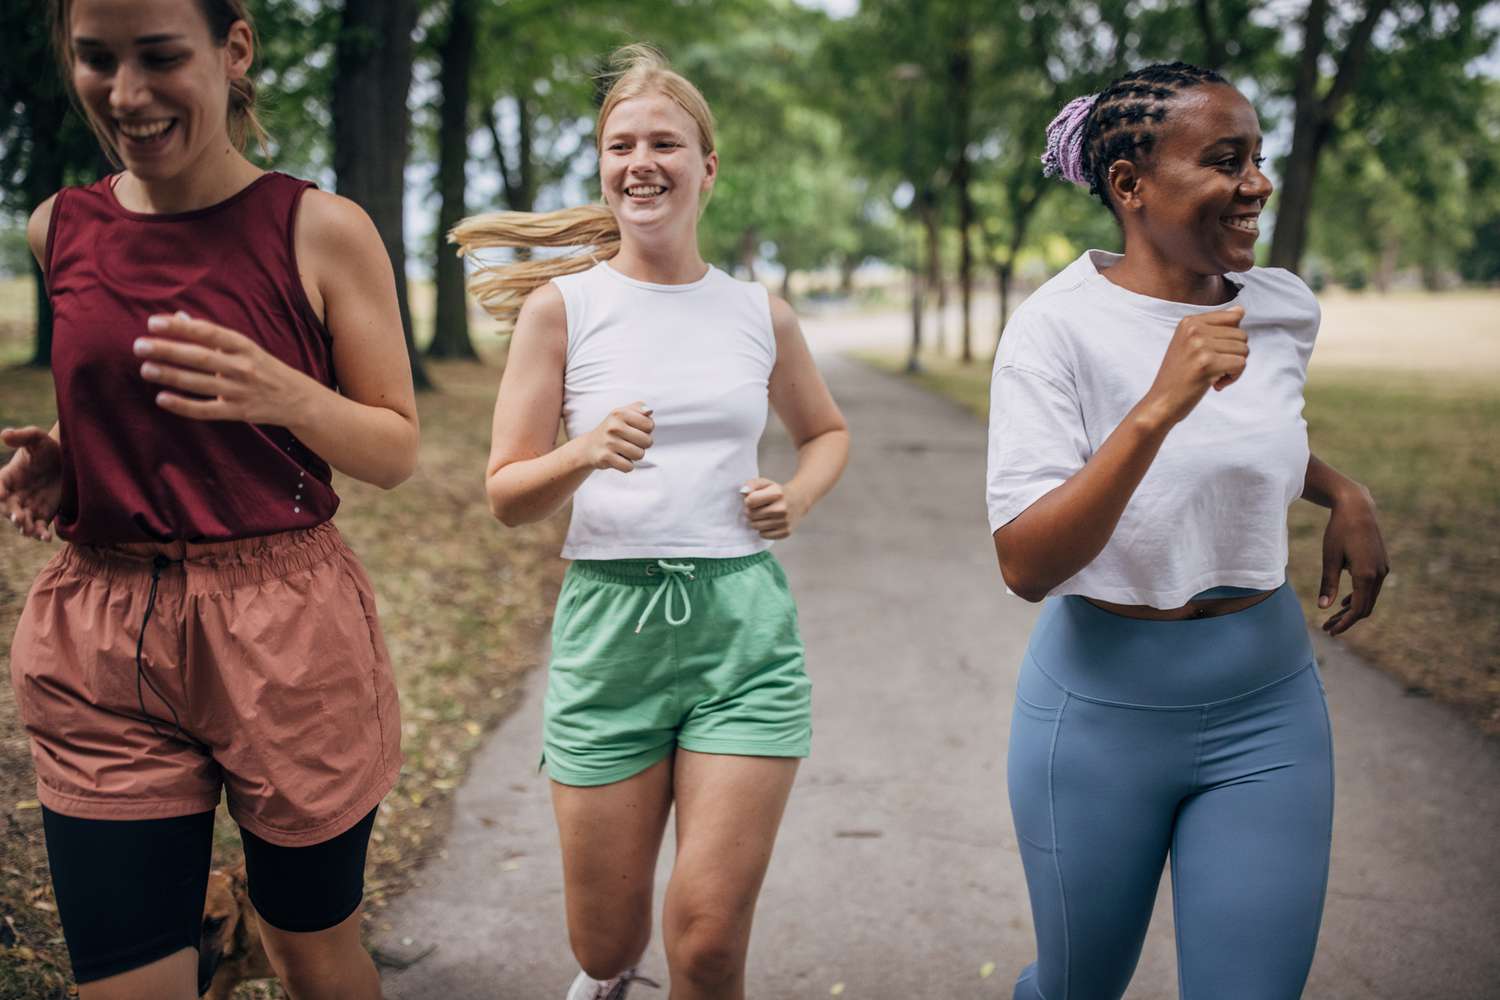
column 1064, row 155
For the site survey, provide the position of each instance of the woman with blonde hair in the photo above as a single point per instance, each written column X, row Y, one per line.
column 677, row 669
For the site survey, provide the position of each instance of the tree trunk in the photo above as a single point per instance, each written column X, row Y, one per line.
column 1385, row 270
column 1313, row 121
column 932, row 219
column 46, row 173
column 914, row 359
column 1003, row 273
column 748, row 245
column 960, row 71
column 786, row 284
column 1299, row 171
column 450, row 328
column 372, row 77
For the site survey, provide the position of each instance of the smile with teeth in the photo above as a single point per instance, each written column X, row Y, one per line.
column 146, row 131
column 1244, row 223
column 645, row 190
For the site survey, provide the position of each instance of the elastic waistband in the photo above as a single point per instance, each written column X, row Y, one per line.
column 235, row 563
column 1101, row 656
column 648, row 572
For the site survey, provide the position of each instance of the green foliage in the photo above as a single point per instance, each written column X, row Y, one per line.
column 294, row 72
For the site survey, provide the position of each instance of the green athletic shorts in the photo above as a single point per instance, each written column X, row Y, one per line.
column 653, row 654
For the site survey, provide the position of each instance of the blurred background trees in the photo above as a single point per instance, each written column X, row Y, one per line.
column 886, row 138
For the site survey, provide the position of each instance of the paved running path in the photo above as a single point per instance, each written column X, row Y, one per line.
column 896, row 872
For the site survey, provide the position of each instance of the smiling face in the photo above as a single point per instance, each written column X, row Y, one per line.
column 1197, row 198
column 154, row 81
column 652, row 167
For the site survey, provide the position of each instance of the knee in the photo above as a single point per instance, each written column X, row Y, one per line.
column 604, row 958
column 303, row 970
column 708, row 953
column 315, row 965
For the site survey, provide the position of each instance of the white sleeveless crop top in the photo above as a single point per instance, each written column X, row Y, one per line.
column 700, row 356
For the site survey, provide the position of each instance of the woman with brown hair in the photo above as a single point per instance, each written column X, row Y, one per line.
column 224, row 338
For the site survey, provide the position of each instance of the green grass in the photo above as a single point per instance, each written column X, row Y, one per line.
column 1427, row 449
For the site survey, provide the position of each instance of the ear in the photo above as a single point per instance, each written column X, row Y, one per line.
column 710, row 173
column 1124, row 183
column 239, row 50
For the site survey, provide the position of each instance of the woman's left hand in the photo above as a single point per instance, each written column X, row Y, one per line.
column 1352, row 542
column 237, row 379
column 773, row 510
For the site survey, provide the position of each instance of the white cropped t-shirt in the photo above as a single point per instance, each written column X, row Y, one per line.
column 1211, row 511
column 700, row 356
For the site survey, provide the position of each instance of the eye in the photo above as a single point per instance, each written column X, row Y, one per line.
column 212, row 924
column 1258, row 160
column 166, row 61
column 96, row 61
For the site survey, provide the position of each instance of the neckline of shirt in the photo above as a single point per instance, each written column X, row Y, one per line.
column 192, row 213
column 652, row 286
column 1163, row 308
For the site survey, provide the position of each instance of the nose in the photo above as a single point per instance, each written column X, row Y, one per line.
column 641, row 158
column 128, row 89
column 1257, row 184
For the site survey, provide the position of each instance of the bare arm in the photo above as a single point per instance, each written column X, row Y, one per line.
column 371, row 430
column 801, row 399
column 529, row 475
column 368, row 429
column 1067, row 528
column 1351, row 542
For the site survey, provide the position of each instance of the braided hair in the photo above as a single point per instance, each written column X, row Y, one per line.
column 1117, row 123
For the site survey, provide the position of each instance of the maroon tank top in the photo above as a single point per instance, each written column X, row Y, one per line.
column 131, row 470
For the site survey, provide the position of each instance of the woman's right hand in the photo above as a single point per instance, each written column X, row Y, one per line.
column 31, row 482
column 1208, row 350
column 621, row 439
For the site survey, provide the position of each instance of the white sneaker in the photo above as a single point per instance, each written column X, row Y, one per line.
column 585, row 988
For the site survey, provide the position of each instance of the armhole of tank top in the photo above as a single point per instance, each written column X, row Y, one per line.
column 295, row 277
column 765, row 299
column 58, row 200
column 571, row 315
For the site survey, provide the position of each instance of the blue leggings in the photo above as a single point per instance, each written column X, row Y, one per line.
column 1206, row 741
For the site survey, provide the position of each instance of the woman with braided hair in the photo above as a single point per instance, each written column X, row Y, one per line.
column 1169, row 705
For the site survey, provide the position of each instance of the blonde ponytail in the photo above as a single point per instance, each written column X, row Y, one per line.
column 501, row 288
column 593, row 229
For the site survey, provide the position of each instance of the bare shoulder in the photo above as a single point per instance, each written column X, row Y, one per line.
column 332, row 224
column 544, row 313
column 37, row 228
column 784, row 318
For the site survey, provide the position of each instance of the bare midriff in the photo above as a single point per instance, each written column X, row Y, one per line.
column 1211, row 607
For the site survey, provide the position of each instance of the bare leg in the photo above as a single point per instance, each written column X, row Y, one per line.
column 172, row 978
column 611, row 836
column 330, row 964
column 728, row 812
